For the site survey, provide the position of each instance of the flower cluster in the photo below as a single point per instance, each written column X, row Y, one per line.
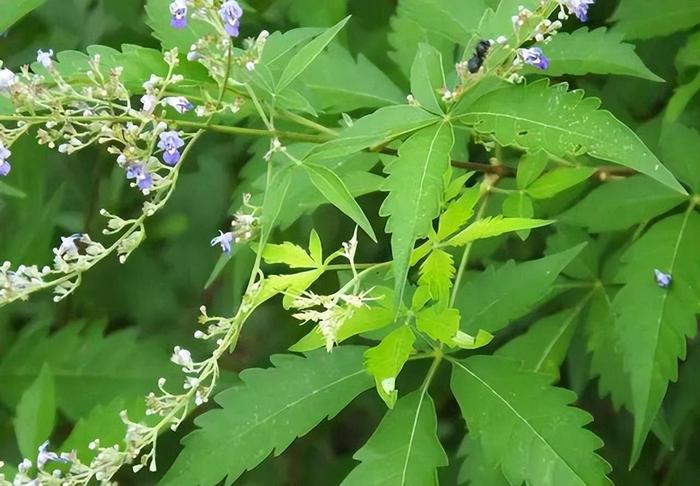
column 244, row 227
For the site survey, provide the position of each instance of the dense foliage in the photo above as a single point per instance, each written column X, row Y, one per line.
column 463, row 232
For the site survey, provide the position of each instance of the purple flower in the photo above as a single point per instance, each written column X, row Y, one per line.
column 178, row 13
column 143, row 178
column 225, row 240
column 231, row 14
column 169, row 143
column 534, row 57
column 663, row 279
column 180, row 103
column 5, row 166
column 578, row 7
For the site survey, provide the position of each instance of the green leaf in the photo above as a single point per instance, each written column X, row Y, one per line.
column 291, row 285
column 289, row 254
column 467, row 341
column 274, row 200
column 651, row 322
column 680, row 100
column 9, row 191
column 689, row 54
column 499, row 21
column 530, row 167
column 315, row 246
column 539, row 116
column 644, row 19
column 597, row 51
column 267, row 412
column 543, row 348
column 334, row 189
column 493, row 226
column 12, row 12
column 404, row 450
column 680, row 148
column 632, row 200
column 510, row 410
column 416, row 187
column 385, row 361
column 497, row 296
column 311, row 12
column 441, row 23
column 36, row 414
column 306, row 55
column 439, row 323
column 519, row 205
column 458, row 212
column 363, row 320
column 383, row 125
column 476, row 470
column 427, row 78
column 339, row 83
column 436, row 273
column 558, row 180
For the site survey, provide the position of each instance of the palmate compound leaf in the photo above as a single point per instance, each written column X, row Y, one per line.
column 652, row 322
column 596, row 51
column 416, row 187
column 561, row 122
column 267, row 412
column 511, row 412
column 404, row 450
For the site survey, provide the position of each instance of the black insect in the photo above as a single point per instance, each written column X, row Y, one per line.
column 477, row 60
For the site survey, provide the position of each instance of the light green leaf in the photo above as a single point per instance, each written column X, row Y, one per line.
column 404, row 450
column 494, row 226
column 497, row 296
column 363, row 320
column 36, row 414
column 644, row 19
column 558, row 180
column 13, row 11
column 680, row 148
column 315, row 246
column 439, row 323
column 334, row 189
column 539, row 116
column 597, row 51
column 266, row 413
column 9, row 191
column 416, row 187
column 383, row 125
column 689, row 54
column 458, row 212
column 274, row 200
column 436, row 273
column 385, row 361
column 510, row 410
column 291, row 285
column 467, row 341
column 427, row 78
column 519, row 205
column 652, row 323
column 288, row 253
column 543, row 347
column 682, row 96
column 339, row 83
column 306, row 55
column 632, row 200
column 530, row 167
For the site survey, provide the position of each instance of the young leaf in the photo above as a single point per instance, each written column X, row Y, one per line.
column 652, row 322
column 404, row 450
column 333, row 189
column 458, row 213
column 415, row 186
column 427, row 78
column 510, row 410
column 558, row 180
column 385, row 361
column 439, row 324
column 644, row 19
column 539, row 116
column 267, row 412
column 288, row 253
column 383, row 125
column 497, row 296
column 633, row 200
column 315, row 247
column 436, row 273
column 36, row 414
column 596, row 51
column 306, row 55
column 493, row 226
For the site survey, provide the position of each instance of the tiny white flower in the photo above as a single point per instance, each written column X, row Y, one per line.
column 45, row 58
column 149, row 102
column 7, row 80
column 182, row 357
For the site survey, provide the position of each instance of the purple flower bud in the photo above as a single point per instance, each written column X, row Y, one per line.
column 143, row 178
column 534, row 57
column 225, row 240
column 170, row 143
column 231, row 14
column 180, row 103
column 178, row 13
column 663, row 279
column 5, row 166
